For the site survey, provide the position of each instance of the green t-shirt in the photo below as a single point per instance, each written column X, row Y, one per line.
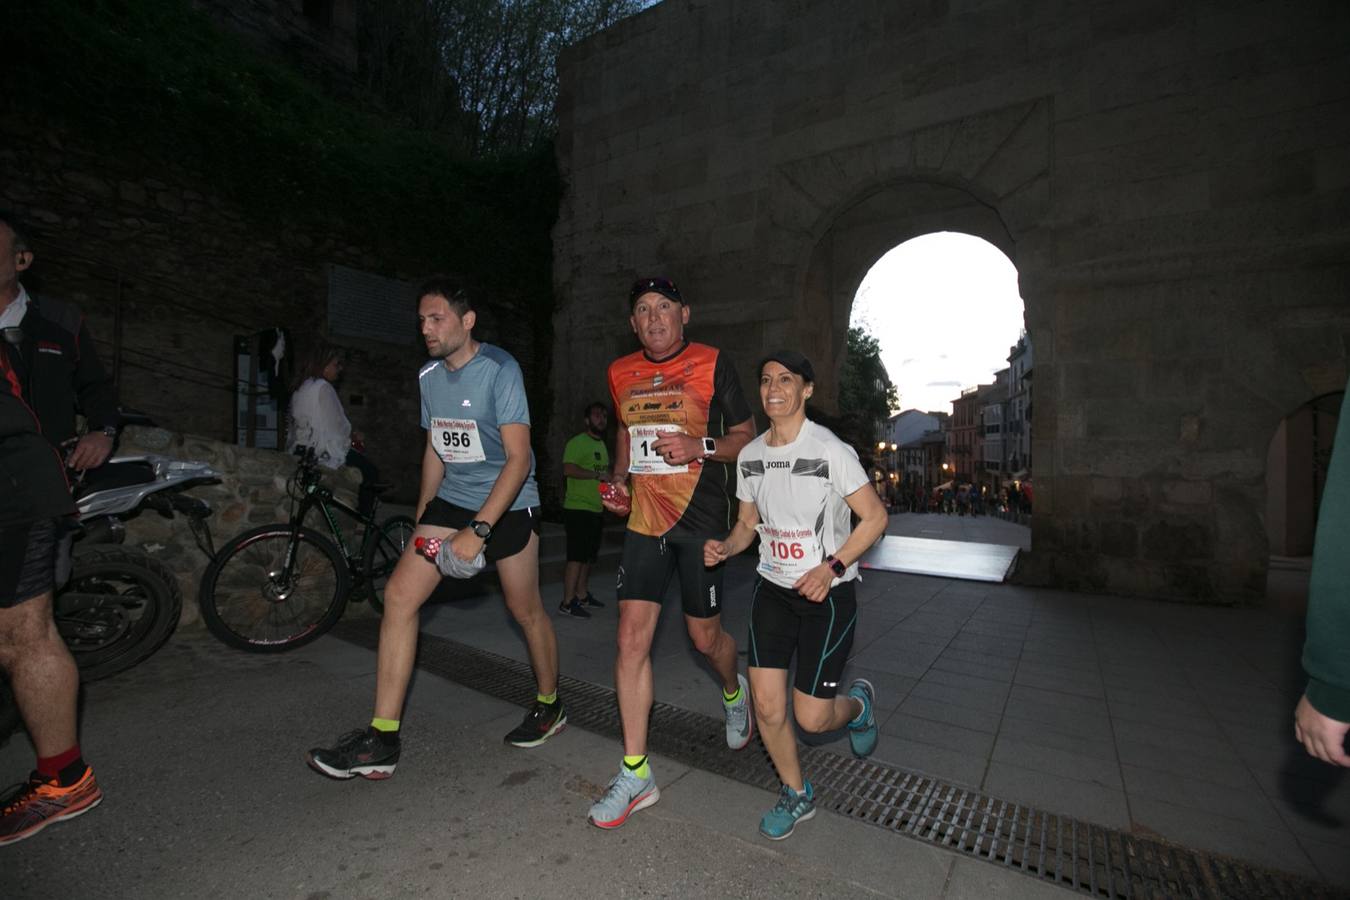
column 588, row 453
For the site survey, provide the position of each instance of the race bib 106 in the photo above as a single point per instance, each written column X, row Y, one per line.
column 457, row 440
column 642, row 459
column 786, row 554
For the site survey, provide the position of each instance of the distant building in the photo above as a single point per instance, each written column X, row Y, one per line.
column 963, row 433
column 991, row 445
column 1018, row 426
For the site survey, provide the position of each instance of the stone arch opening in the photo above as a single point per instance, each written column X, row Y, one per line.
column 864, row 230
column 1296, row 468
column 947, row 312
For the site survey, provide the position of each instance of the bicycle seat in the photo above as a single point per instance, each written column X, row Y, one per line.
column 378, row 487
column 116, row 474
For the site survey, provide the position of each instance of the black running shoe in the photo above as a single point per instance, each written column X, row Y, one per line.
column 591, row 601
column 573, row 608
column 542, row 722
column 363, row 752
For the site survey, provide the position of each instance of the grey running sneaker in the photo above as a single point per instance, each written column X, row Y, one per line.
column 740, row 723
column 862, row 737
column 360, row 752
column 790, row 809
column 625, row 794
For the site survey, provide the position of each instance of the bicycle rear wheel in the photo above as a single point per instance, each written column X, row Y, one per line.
column 252, row 599
column 382, row 554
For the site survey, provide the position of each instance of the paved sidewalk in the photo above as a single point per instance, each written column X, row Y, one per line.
column 1165, row 719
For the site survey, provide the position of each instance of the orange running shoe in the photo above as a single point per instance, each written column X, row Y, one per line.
column 40, row 802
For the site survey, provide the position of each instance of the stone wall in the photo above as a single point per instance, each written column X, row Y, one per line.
column 1170, row 179
column 168, row 272
column 252, row 492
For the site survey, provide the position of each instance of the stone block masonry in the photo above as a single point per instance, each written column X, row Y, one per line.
column 1168, row 179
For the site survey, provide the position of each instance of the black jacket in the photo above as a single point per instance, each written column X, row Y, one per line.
column 32, row 477
column 59, row 370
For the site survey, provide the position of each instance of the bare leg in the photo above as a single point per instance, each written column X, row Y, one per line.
column 769, row 689
column 633, row 671
column 583, row 585
column 519, row 575
column 819, row 714
column 414, row 578
column 42, row 673
column 712, row 640
column 571, row 581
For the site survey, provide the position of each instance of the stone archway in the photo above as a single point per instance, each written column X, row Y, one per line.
column 1176, row 237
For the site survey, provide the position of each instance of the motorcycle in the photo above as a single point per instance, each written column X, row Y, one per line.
column 117, row 605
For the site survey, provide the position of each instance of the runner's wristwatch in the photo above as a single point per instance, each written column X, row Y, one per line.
column 709, row 447
column 836, row 566
column 481, row 529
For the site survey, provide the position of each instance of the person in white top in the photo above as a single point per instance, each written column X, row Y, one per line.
column 797, row 484
column 318, row 420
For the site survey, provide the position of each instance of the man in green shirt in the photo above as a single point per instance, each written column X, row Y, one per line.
column 585, row 462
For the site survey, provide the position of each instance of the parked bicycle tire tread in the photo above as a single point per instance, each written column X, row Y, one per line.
column 327, row 611
column 160, row 592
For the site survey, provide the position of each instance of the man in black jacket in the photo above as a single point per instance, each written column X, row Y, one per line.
column 53, row 357
column 40, row 669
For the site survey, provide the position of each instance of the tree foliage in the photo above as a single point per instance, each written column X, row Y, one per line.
column 866, row 394
column 485, row 69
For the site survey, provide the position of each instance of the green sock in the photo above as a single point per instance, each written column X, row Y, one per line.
column 638, row 766
column 550, row 699
column 729, row 699
column 384, row 724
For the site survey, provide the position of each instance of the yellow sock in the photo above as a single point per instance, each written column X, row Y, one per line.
column 550, row 699
column 384, row 724
column 638, row 766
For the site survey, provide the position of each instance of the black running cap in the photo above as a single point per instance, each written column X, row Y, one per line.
column 793, row 361
column 663, row 286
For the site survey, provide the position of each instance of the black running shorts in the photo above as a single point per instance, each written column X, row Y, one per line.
column 509, row 536
column 648, row 563
column 27, row 561
column 584, row 529
column 782, row 622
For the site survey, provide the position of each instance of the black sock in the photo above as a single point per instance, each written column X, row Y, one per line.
column 72, row 773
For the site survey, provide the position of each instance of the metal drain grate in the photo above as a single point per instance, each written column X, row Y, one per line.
column 1074, row 854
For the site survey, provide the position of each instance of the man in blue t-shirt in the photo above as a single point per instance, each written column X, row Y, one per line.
column 478, row 493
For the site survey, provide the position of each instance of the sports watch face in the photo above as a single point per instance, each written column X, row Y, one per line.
column 709, row 446
column 482, row 529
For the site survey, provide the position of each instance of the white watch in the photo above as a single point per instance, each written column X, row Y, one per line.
column 709, row 447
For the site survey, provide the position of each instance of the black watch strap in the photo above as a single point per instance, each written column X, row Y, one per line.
column 481, row 529
column 836, row 566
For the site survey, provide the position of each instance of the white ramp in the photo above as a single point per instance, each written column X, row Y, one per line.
column 943, row 559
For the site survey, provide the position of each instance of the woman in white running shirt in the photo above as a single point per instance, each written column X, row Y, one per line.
column 797, row 484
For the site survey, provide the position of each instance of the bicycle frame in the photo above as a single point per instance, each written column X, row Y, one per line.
column 316, row 495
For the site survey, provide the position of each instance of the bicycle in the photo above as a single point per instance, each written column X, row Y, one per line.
column 279, row 586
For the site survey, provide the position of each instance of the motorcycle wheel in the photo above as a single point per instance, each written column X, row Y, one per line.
column 382, row 554
column 118, row 607
column 250, row 601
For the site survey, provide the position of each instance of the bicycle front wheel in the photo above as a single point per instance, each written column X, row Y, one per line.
column 382, row 554
column 274, row 588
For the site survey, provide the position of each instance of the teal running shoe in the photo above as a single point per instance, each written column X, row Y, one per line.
column 790, row 809
column 862, row 732
column 625, row 795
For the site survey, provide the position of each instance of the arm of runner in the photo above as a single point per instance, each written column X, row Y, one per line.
column 741, row 536
column 679, row 449
column 620, row 477
column 433, row 473
column 815, row 584
column 516, row 445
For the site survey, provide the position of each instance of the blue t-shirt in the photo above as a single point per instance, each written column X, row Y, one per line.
column 464, row 411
